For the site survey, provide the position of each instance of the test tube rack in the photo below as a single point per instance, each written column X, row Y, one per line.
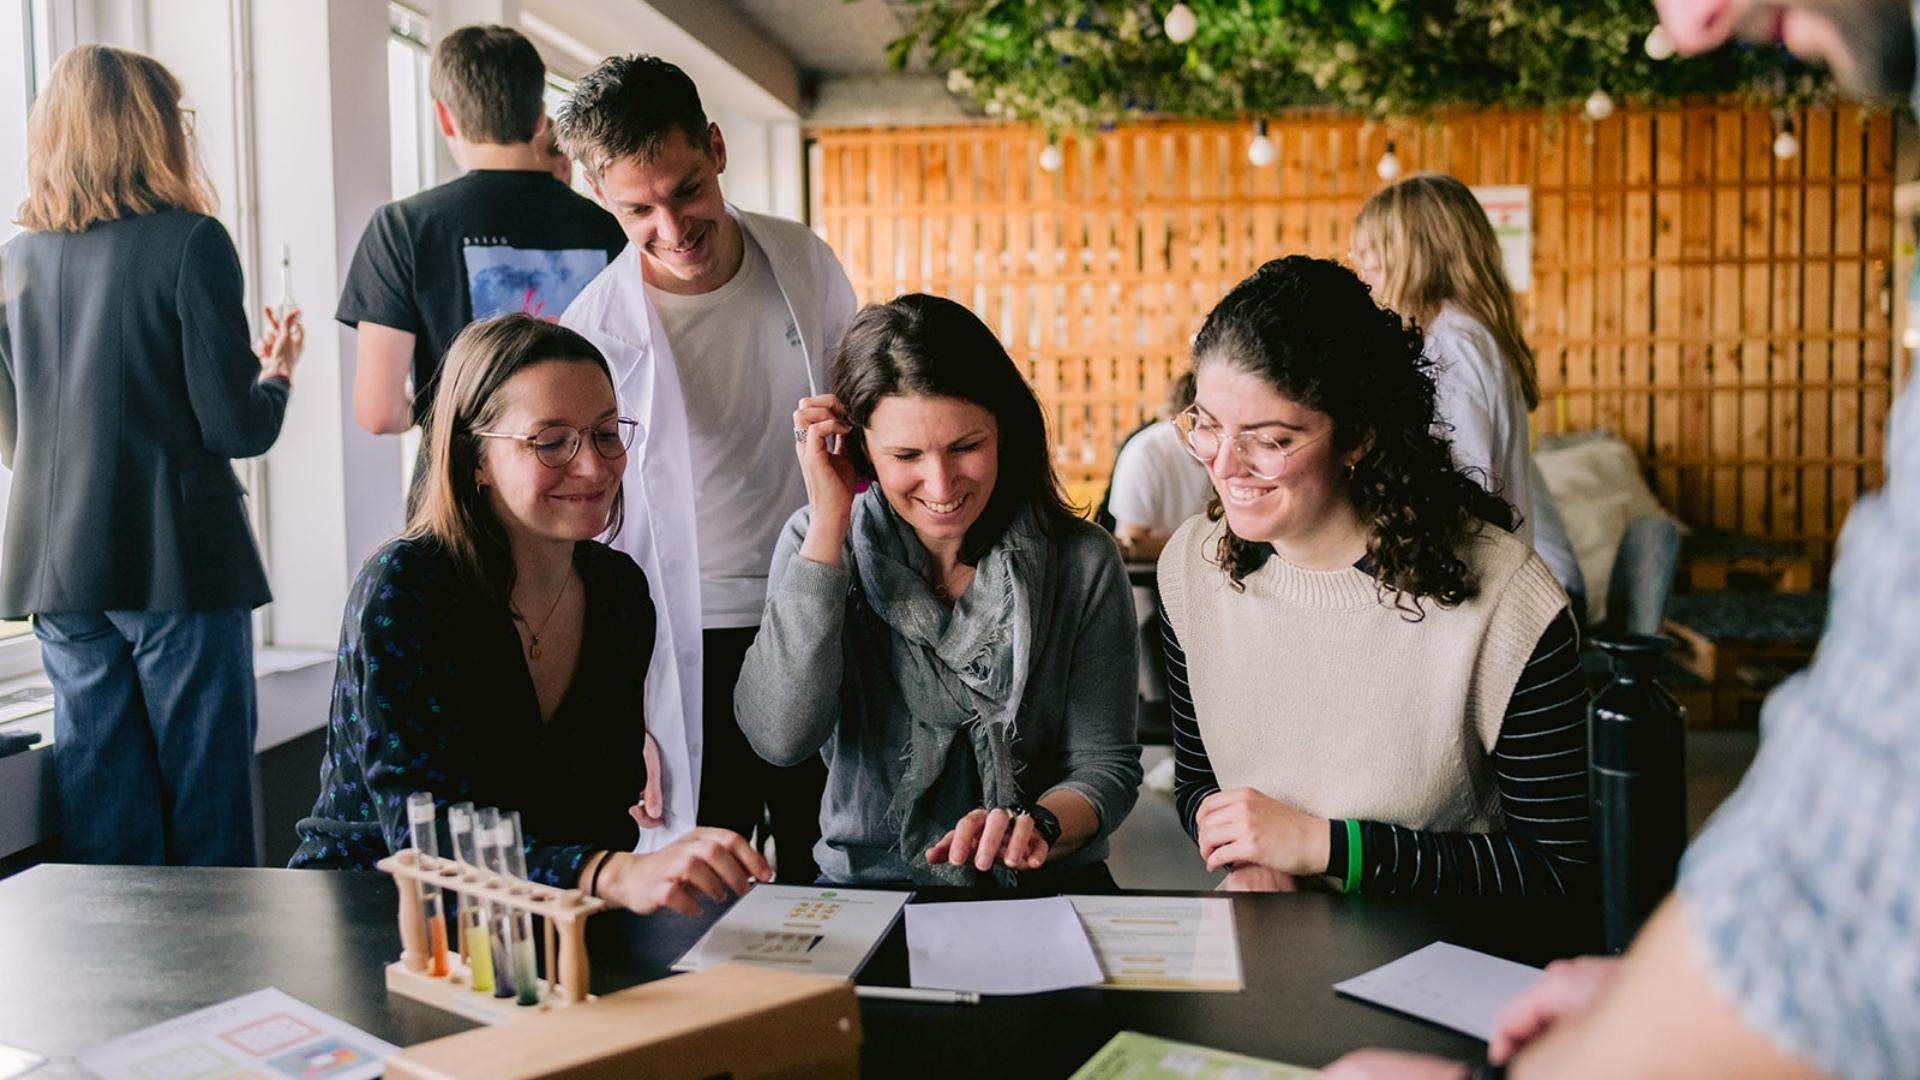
column 564, row 913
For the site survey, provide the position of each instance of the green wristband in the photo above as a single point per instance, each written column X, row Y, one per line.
column 1352, row 883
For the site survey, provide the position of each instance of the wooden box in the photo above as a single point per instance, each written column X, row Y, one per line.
column 734, row 1021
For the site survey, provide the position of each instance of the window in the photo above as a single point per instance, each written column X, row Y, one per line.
column 411, row 135
column 18, row 73
column 410, row 123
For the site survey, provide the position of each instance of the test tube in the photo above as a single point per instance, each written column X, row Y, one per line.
column 473, row 913
column 525, row 976
column 486, row 826
column 420, row 822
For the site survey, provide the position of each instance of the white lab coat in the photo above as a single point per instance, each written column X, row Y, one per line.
column 614, row 313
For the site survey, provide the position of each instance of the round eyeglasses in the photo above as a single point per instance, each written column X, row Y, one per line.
column 556, row 446
column 1264, row 457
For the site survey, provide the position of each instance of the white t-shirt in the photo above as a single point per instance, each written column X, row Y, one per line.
column 1479, row 396
column 1156, row 483
column 742, row 371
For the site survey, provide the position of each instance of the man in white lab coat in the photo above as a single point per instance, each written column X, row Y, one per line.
column 716, row 322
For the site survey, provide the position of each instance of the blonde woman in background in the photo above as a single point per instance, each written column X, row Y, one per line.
column 1426, row 249
column 127, row 384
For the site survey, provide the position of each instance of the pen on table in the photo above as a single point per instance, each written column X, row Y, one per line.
column 908, row 993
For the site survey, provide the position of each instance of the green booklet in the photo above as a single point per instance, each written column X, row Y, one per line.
column 1133, row 1056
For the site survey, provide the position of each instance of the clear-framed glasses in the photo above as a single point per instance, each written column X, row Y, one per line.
column 1264, row 456
column 188, row 117
column 557, row 445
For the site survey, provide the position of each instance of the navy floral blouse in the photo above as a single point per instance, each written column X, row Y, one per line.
column 432, row 693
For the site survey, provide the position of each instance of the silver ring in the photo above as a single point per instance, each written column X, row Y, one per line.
column 799, row 434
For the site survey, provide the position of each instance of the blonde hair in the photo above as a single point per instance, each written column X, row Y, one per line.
column 106, row 140
column 1436, row 246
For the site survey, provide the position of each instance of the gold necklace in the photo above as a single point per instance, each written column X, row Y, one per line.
column 533, row 646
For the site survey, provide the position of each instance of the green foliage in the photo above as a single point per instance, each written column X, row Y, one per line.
column 1077, row 64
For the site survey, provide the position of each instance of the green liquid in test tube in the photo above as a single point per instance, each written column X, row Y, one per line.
column 486, row 827
column 421, row 816
column 473, row 918
column 524, row 975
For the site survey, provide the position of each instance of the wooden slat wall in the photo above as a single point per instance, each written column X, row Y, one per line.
column 1727, row 313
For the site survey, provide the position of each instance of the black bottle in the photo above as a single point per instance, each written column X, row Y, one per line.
column 1637, row 780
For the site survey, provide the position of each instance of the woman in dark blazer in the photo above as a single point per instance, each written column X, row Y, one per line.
column 127, row 383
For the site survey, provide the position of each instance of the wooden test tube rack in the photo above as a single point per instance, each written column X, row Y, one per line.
column 564, row 912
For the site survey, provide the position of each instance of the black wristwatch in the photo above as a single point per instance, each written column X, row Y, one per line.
column 1044, row 822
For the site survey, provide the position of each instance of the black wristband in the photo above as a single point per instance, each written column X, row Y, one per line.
column 593, row 879
column 1044, row 822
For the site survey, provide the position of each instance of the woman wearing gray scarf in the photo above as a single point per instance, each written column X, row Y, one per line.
column 955, row 641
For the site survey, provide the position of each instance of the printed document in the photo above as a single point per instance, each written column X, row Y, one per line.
column 1163, row 942
column 812, row 931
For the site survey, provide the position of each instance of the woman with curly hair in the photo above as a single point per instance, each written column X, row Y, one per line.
column 1372, row 680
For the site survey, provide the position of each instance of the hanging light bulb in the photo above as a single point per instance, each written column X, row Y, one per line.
column 1786, row 144
column 1181, row 24
column 1389, row 164
column 1051, row 159
column 1599, row 105
column 1659, row 44
column 1261, row 151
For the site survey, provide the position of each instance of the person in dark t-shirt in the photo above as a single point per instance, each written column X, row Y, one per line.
column 505, row 237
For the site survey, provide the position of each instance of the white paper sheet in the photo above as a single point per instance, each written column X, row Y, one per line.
column 1451, row 986
column 999, row 946
column 1163, row 942
column 262, row 1034
column 807, row 930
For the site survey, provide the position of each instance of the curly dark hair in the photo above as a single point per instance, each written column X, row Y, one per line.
column 1309, row 329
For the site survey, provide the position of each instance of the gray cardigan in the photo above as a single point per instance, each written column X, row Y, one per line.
column 818, row 680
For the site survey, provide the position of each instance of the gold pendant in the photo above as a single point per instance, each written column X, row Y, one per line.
column 534, row 649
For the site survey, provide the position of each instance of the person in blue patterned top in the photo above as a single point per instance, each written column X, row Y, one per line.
column 1791, row 947
column 496, row 653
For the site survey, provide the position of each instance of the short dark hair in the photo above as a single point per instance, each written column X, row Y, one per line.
column 929, row 346
column 492, row 80
column 626, row 108
column 1309, row 329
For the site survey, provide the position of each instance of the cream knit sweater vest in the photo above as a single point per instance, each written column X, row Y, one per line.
column 1309, row 688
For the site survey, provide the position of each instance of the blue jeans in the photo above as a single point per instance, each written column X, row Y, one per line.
column 154, row 721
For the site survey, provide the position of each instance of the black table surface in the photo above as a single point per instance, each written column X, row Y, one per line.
column 91, row 953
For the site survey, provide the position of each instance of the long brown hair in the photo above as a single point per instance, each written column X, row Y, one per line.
column 452, row 513
column 107, row 139
column 1436, row 246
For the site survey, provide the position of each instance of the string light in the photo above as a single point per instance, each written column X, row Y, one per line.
column 1659, row 44
column 1599, row 105
column 1389, row 164
column 1181, row 24
column 1786, row 144
column 1261, row 151
column 1051, row 159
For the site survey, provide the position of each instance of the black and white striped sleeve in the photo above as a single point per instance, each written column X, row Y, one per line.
column 1193, row 778
column 1540, row 766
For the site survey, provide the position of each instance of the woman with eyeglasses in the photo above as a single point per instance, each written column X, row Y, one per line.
column 954, row 640
column 128, row 384
column 1374, row 683
column 497, row 653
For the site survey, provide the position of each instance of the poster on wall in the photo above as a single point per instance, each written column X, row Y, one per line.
column 1510, row 208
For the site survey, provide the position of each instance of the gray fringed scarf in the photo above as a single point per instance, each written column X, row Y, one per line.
column 961, row 672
